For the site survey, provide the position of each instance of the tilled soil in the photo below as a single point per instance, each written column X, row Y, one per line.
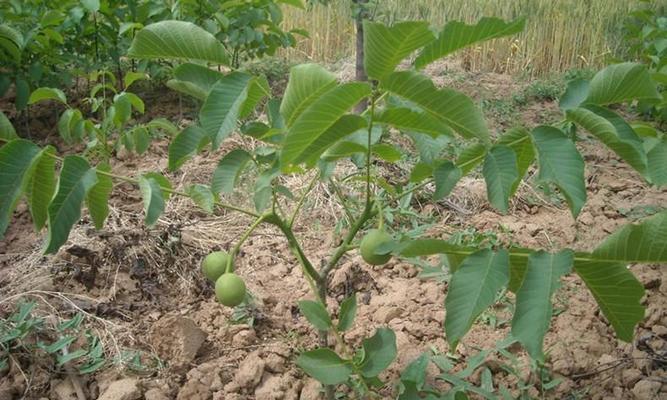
column 140, row 288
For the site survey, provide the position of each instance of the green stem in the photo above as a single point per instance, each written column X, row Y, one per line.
column 368, row 154
column 344, row 247
column 302, row 200
column 242, row 239
column 310, row 271
column 343, row 203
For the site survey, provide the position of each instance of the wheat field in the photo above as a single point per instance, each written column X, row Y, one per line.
column 559, row 35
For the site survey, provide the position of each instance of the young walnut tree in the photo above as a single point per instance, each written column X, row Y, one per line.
column 312, row 128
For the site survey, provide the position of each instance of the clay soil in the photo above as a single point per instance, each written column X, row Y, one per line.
column 141, row 291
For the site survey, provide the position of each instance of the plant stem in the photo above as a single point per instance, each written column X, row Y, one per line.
column 294, row 245
column 368, row 153
column 310, row 187
column 344, row 247
column 242, row 239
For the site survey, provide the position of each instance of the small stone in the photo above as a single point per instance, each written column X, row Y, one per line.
column 660, row 330
column 271, row 388
column 250, row 371
column 312, row 390
column 586, row 219
column 177, row 340
column 155, row 394
column 630, row 377
column 646, row 390
column 62, row 391
column 124, row 389
column 385, row 314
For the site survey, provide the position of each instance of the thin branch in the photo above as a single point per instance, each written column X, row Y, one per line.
column 310, row 187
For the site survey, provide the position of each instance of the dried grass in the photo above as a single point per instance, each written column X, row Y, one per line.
column 560, row 34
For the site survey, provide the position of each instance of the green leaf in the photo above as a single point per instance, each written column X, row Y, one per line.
column 387, row 152
column 619, row 83
column 644, row 242
column 177, row 40
column 471, row 157
column 312, row 127
column 194, row 79
column 65, row 358
column 450, row 107
column 258, row 88
column 222, row 108
column 97, row 198
column 325, row 366
column 11, row 42
column 500, row 172
column 614, row 132
column 519, row 140
column 618, row 293
column 91, row 5
column 164, row 125
column 532, row 316
column 420, row 172
column 76, row 179
column 202, row 196
column 657, row 163
column 385, row 47
column 153, row 199
column 45, row 93
column 185, row 145
column 41, row 186
column 307, row 82
column 379, row 352
column 316, row 314
column 141, row 139
column 7, row 131
column 122, row 109
column 446, row 176
column 457, row 35
column 348, row 311
column 16, row 160
column 131, row 77
column 473, row 289
column 228, row 171
column 409, row 120
column 576, row 93
column 22, row 94
column 430, row 148
column 345, row 126
column 67, row 123
column 561, row 164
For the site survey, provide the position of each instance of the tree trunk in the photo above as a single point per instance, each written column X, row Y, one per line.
column 360, row 71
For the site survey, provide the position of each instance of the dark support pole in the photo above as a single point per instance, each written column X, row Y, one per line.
column 360, row 71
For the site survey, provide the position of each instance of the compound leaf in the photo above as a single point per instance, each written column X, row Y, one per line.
column 16, row 160
column 228, row 171
column 306, row 83
column 76, row 179
column 622, row 82
column 97, row 198
column 533, row 300
column 325, row 366
column 222, row 108
column 561, row 164
column 179, row 40
column 457, row 35
column 379, row 352
column 500, row 172
column 473, row 289
column 385, row 47
column 450, row 107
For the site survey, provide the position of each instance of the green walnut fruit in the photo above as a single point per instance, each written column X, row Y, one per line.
column 214, row 265
column 230, row 290
column 373, row 239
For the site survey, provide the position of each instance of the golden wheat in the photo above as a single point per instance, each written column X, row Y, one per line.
column 559, row 35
